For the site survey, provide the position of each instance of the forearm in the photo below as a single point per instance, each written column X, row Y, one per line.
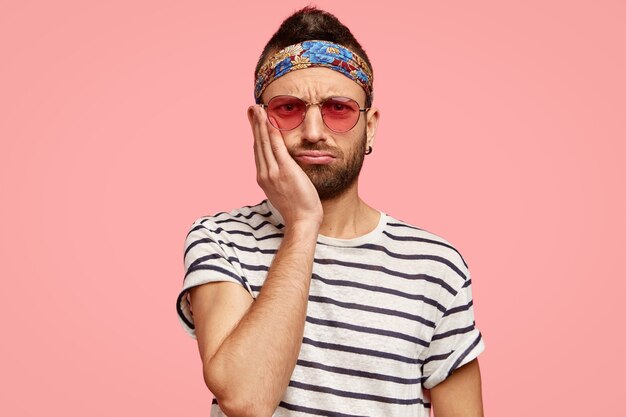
column 460, row 395
column 252, row 368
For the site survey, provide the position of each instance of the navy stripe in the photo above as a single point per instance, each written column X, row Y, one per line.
column 435, row 258
column 249, row 267
column 257, row 227
column 258, row 239
column 361, row 351
column 363, row 329
column 439, row 357
column 356, row 395
column 314, row 411
column 230, row 245
column 196, row 228
column 230, row 259
column 179, row 310
column 384, row 270
column 197, row 242
column 254, row 206
column 372, row 309
column 246, row 249
column 362, row 374
column 385, row 290
column 459, row 309
column 406, row 225
column 464, row 355
column 453, row 332
column 238, row 232
column 424, row 240
column 205, row 258
column 240, row 215
column 223, row 271
column 241, row 280
column 373, row 288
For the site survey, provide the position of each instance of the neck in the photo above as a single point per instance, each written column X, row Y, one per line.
column 347, row 216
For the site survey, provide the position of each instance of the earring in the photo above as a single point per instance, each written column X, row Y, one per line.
column 368, row 151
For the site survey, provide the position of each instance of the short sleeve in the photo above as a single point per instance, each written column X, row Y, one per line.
column 456, row 340
column 205, row 260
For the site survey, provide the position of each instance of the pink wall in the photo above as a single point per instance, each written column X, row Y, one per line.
column 503, row 130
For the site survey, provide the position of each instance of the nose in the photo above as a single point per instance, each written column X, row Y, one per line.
column 313, row 125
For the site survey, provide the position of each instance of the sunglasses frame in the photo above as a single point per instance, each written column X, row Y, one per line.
column 319, row 104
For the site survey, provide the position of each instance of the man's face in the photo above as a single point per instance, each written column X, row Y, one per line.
column 332, row 160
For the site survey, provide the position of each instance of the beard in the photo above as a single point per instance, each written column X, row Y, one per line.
column 333, row 180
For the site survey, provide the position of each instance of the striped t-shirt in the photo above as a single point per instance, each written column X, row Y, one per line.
column 389, row 313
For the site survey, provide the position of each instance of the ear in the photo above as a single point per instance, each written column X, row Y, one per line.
column 372, row 116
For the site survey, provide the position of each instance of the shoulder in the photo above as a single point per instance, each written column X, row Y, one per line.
column 249, row 219
column 248, row 223
column 431, row 246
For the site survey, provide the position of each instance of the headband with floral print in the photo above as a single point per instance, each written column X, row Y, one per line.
column 314, row 54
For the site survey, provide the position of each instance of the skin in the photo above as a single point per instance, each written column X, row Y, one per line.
column 459, row 395
column 346, row 216
column 229, row 324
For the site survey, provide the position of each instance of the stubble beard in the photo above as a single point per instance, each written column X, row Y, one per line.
column 331, row 181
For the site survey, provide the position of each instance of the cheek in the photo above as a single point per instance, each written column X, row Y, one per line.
column 353, row 145
column 290, row 139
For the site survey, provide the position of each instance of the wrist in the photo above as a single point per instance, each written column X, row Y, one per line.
column 303, row 229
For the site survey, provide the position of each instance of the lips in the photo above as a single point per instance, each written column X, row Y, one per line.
column 314, row 157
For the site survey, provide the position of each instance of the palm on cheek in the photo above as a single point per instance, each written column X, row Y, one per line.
column 285, row 184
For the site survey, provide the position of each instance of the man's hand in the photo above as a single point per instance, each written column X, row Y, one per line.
column 285, row 184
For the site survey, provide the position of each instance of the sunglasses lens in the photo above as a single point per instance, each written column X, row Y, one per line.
column 287, row 111
column 340, row 113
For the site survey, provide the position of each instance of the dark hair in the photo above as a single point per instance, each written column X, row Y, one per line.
column 311, row 23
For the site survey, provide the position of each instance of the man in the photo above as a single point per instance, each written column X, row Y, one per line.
column 313, row 302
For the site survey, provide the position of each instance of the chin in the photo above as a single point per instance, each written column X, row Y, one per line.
column 332, row 186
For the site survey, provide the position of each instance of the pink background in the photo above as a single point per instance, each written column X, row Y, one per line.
column 503, row 129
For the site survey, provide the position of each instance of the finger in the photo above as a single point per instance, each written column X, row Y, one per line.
column 277, row 143
column 264, row 141
column 258, row 157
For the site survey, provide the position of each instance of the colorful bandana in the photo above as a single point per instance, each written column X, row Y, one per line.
column 314, row 54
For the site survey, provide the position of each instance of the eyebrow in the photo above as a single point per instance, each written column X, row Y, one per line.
column 321, row 99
